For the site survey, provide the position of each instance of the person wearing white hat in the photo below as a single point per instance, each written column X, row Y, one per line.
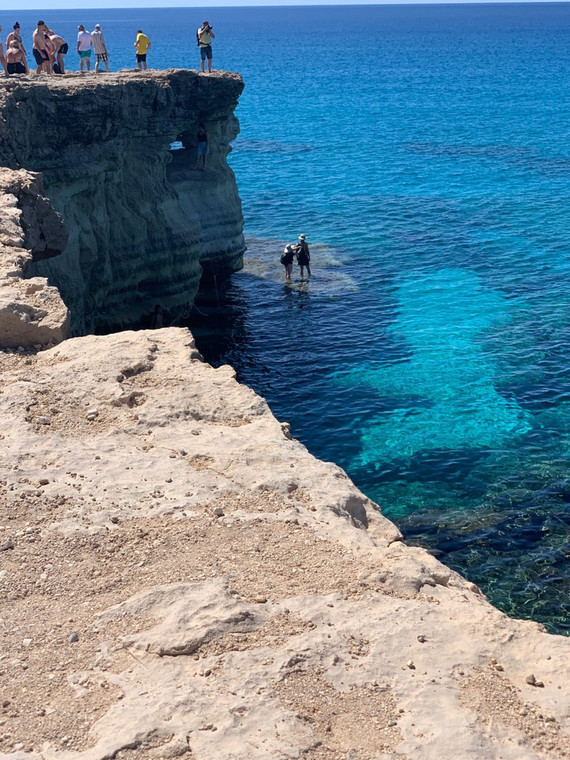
column 287, row 258
column 303, row 255
column 99, row 48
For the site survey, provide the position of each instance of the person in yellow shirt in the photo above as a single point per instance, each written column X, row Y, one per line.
column 142, row 44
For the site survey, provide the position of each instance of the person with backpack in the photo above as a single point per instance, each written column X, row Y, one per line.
column 204, row 37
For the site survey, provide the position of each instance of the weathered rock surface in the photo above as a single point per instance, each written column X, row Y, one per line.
column 31, row 311
column 144, row 227
column 181, row 578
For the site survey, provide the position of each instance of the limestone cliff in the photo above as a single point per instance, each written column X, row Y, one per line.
column 179, row 578
column 144, row 227
column 31, row 311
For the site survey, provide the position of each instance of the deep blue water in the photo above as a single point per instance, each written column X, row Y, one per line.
column 425, row 152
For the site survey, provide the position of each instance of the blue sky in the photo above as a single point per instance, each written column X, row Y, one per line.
column 14, row 5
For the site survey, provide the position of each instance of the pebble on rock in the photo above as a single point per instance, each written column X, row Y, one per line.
column 73, row 638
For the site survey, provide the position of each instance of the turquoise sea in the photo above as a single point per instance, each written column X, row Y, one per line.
column 425, row 153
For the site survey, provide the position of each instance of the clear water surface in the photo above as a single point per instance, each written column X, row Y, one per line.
column 425, row 152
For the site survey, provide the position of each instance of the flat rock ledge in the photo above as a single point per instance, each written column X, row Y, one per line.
column 180, row 578
column 31, row 311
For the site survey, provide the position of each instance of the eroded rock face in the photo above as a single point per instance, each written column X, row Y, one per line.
column 180, row 578
column 144, row 226
column 31, row 311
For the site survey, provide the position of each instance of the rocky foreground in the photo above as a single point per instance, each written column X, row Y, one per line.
column 180, row 578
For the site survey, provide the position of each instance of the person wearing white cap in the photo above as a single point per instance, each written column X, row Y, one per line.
column 99, row 47
column 303, row 255
column 287, row 258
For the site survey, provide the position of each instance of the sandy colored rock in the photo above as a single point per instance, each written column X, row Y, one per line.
column 144, row 227
column 31, row 311
column 232, row 596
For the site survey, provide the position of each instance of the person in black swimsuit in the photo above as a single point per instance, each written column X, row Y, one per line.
column 287, row 260
column 303, row 255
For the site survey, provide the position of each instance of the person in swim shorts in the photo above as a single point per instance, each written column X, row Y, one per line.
column 142, row 44
column 84, row 44
column 100, row 48
column 60, row 50
column 15, row 34
column 205, row 35
column 15, row 59
column 40, row 49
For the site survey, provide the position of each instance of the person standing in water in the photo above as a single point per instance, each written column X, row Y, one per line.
column 303, row 255
column 287, row 258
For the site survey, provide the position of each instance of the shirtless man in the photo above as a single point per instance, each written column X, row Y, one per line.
column 40, row 49
column 60, row 49
column 15, row 58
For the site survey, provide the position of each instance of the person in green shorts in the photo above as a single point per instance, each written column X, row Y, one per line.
column 84, row 44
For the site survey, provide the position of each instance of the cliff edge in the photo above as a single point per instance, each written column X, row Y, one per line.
column 143, row 226
column 180, row 578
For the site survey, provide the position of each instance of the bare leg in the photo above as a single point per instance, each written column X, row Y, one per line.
column 60, row 62
column 202, row 65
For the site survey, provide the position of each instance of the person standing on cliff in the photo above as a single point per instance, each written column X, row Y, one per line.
column 60, row 50
column 101, row 55
column 204, row 37
column 84, row 44
column 142, row 44
column 40, row 49
column 15, row 59
column 16, row 35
